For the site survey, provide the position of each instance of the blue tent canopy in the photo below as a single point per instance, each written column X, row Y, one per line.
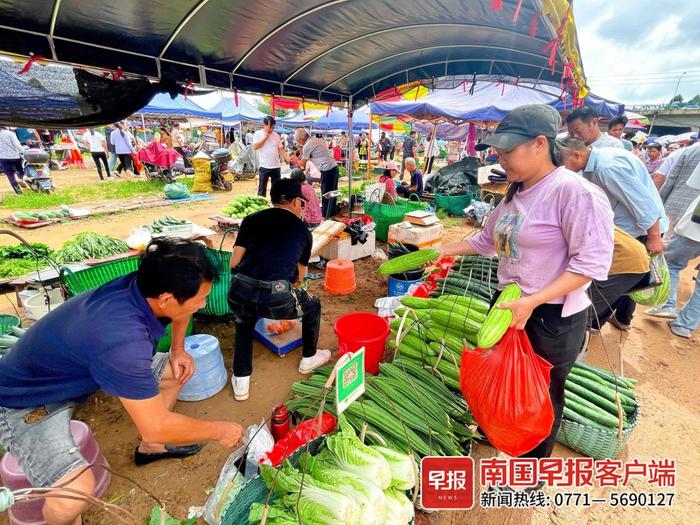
column 243, row 112
column 338, row 119
column 162, row 104
column 491, row 101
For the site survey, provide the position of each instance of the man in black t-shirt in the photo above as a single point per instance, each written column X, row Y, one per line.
column 270, row 259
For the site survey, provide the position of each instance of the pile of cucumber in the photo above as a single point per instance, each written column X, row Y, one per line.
column 7, row 341
column 41, row 215
column 472, row 274
column 591, row 398
column 157, row 225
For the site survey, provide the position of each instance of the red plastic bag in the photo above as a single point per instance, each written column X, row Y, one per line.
column 507, row 390
column 297, row 437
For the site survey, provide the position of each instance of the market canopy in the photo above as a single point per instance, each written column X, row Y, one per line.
column 162, row 104
column 338, row 119
column 315, row 49
column 237, row 109
column 486, row 99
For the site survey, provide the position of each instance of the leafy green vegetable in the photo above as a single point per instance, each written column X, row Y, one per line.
column 90, row 245
column 322, row 507
column 354, row 456
column 276, row 515
column 366, row 494
column 20, row 260
column 403, row 467
column 399, row 509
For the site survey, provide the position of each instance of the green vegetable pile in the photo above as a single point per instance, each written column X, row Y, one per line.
column 408, row 261
column 20, row 260
column 591, row 398
column 157, row 225
column 348, row 482
column 244, row 205
column 407, row 407
column 90, row 245
column 40, row 215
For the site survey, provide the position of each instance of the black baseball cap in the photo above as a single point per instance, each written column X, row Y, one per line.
column 285, row 190
column 523, row 124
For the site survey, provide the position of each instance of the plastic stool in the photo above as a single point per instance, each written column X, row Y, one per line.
column 340, row 277
column 29, row 512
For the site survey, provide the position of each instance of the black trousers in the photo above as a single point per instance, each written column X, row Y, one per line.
column 606, row 294
column 329, row 182
column 249, row 302
column 125, row 162
column 273, row 174
column 97, row 157
column 557, row 339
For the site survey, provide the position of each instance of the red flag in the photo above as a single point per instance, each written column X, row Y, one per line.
column 189, row 86
column 496, row 5
column 272, row 106
column 235, row 96
column 28, row 65
column 116, row 75
column 517, row 10
column 533, row 24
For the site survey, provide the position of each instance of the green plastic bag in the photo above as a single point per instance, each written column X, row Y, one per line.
column 658, row 294
column 176, row 190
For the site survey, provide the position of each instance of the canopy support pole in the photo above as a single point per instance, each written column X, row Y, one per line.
column 371, row 123
column 348, row 161
column 143, row 125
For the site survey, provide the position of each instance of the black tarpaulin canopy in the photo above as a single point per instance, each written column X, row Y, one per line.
column 318, row 50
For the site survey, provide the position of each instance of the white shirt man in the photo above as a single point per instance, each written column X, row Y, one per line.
column 268, row 145
column 95, row 140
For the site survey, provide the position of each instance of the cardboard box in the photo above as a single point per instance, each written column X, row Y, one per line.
column 420, row 236
column 342, row 248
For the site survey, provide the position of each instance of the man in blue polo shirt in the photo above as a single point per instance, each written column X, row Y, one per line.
column 104, row 340
column 415, row 187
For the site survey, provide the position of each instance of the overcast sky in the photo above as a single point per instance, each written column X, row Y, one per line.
column 635, row 50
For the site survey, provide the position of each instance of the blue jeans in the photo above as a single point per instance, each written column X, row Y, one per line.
column 112, row 161
column 679, row 253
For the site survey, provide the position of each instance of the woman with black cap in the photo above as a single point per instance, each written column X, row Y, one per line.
column 553, row 234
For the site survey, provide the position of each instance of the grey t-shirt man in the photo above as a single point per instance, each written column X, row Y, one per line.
column 317, row 152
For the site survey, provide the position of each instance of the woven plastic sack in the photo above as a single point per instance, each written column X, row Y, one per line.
column 202, row 175
column 507, row 390
column 660, row 283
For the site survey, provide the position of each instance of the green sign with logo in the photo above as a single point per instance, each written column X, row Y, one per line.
column 350, row 381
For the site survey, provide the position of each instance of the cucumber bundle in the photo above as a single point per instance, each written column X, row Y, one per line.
column 408, row 407
column 40, row 215
column 408, row 261
column 471, row 274
column 244, row 205
column 591, row 396
column 157, row 225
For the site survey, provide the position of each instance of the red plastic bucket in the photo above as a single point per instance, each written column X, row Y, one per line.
column 363, row 329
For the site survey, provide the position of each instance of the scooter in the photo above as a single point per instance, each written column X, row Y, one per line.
column 219, row 169
column 37, row 175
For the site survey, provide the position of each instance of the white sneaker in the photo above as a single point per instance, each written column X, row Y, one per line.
column 241, row 386
column 308, row 364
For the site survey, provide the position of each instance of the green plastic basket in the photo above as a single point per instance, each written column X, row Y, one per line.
column 7, row 322
column 593, row 442
column 217, row 300
column 384, row 215
column 453, row 204
column 89, row 278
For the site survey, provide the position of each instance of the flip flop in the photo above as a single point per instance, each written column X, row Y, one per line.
column 171, row 452
column 314, row 276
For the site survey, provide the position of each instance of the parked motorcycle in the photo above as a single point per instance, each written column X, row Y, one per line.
column 220, row 176
column 37, row 175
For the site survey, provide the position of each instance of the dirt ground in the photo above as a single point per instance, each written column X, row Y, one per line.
column 666, row 366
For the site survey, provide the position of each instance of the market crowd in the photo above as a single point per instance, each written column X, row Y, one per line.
column 575, row 230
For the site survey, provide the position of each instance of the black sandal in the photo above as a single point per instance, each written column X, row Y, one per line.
column 171, row 452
